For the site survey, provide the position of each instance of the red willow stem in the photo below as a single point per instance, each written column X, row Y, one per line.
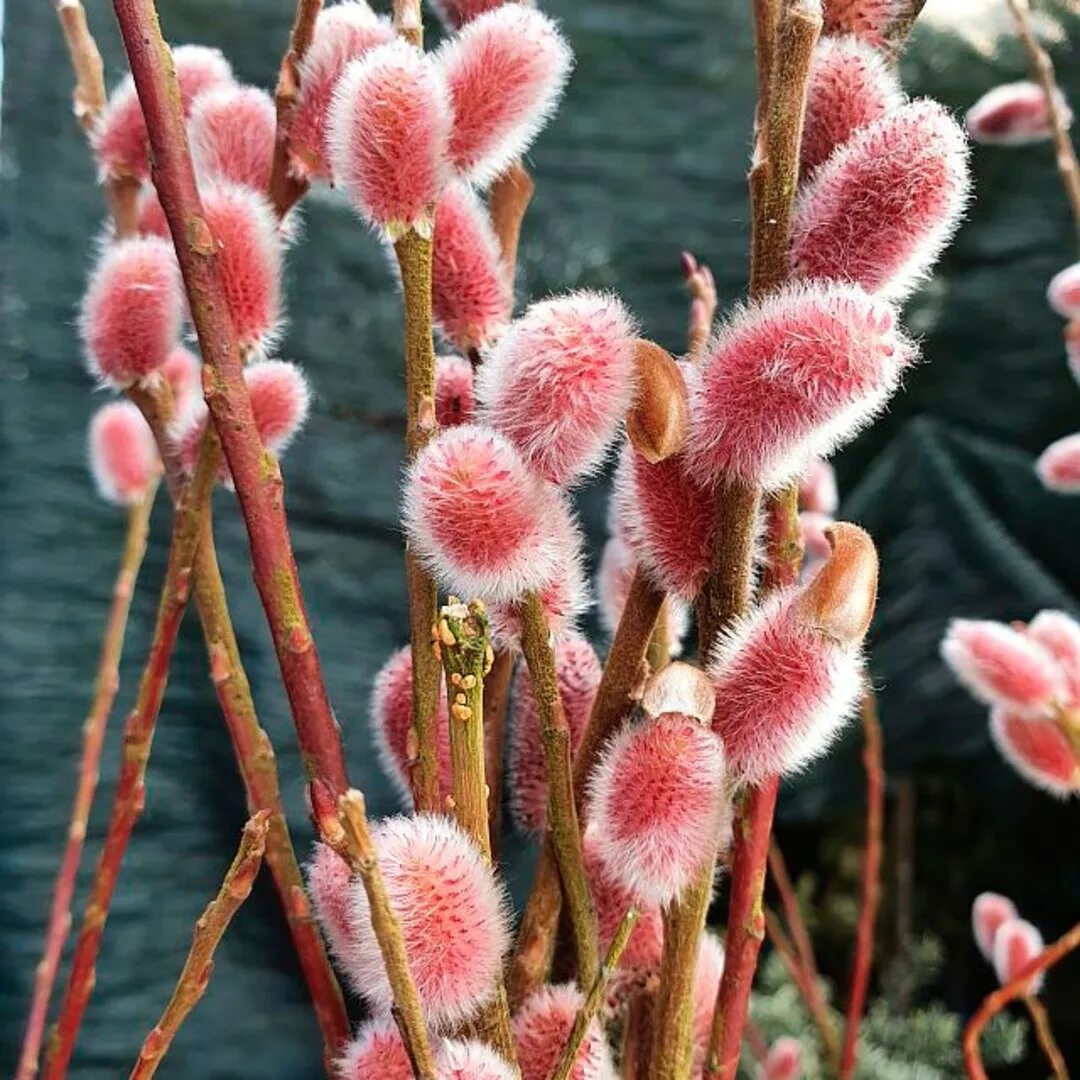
column 130, row 791
column 792, row 910
column 1017, row 988
column 251, row 745
column 1040, row 1019
column 285, row 189
column 870, row 885
column 106, row 686
column 255, row 473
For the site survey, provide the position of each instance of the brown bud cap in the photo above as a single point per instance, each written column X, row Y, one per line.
column 840, row 599
column 679, row 688
column 659, row 418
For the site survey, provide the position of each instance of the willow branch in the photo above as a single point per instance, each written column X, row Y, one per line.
column 1045, row 1035
column 414, row 253
column 209, row 930
column 724, row 596
column 562, row 816
column 285, row 189
column 350, row 836
column 496, row 708
column 1042, row 70
column 772, row 182
column 251, row 744
column 870, row 883
column 467, row 657
column 789, row 900
column 1016, row 988
column 138, row 735
column 595, row 998
column 255, row 472
column 806, row 983
column 106, row 685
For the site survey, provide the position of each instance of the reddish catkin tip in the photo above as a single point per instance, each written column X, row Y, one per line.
column 1039, row 750
column 391, row 722
column 1013, row 114
column 456, row 13
column 784, row 688
column 505, row 71
column 541, row 1027
column 388, row 131
column 709, row 971
column 232, row 135
column 119, row 139
column 988, row 912
column 577, row 672
column 679, row 688
column 455, row 402
column 645, row 948
column 1059, row 635
column 653, row 844
column 783, row 1061
column 1016, row 944
column 817, row 488
column 793, row 377
column 481, row 520
column 377, row 1053
column 850, row 86
column 470, row 292
column 559, row 380
column 1063, row 292
column 1000, row 666
column 866, row 19
column 1058, row 466
column 880, row 210
column 343, row 33
column 471, row 1061
column 130, row 316
column 249, row 255
column 452, row 913
column 181, row 371
column 123, row 455
column 331, row 890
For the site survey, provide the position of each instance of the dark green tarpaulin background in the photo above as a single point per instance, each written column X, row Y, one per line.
column 646, row 157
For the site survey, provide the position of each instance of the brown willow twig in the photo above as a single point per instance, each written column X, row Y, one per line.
column 562, row 815
column 414, row 253
column 595, row 998
column 138, row 735
column 255, row 473
column 772, row 182
column 209, row 930
column 89, row 99
column 251, row 744
column 346, row 831
column 1044, row 1033
column 870, row 884
column 1001, row 997
column 496, row 708
column 285, row 189
column 805, row 983
column 724, row 596
column 624, row 671
column 1042, row 68
column 106, row 685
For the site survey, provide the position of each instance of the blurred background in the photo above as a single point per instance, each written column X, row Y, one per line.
column 646, row 157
